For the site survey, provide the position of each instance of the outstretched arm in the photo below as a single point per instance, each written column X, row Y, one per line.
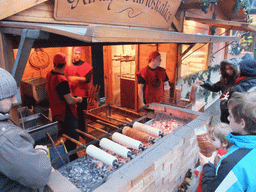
column 140, row 94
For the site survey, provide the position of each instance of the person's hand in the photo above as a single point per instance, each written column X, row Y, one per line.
column 217, row 159
column 225, row 96
column 79, row 99
column 203, row 159
column 199, row 82
column 41, row 148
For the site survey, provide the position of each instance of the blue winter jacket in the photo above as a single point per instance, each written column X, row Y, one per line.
column 236, row 171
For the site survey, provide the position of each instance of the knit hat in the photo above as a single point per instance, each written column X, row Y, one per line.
column 153, row 55
column 77, row 49
column 248, row 67
column 59, row 58
column 8, row 85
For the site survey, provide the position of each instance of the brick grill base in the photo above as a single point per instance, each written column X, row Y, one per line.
column 163, row 166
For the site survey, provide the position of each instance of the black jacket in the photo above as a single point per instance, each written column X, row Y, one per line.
column 243, row 84
column 226, row 82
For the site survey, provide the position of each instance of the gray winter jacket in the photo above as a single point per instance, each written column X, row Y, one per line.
column 22, row 168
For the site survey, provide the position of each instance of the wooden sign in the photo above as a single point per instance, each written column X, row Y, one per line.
column 140, row 13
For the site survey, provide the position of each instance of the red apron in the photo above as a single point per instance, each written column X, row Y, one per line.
column 58, row 106
column 78, row 88
column 154, row 84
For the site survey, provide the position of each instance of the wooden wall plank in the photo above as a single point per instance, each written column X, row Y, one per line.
column 42, row 13
column 171, row 59
column 108, row 81
column 11, row 7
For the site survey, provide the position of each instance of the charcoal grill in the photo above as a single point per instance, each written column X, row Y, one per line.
column 101, row 125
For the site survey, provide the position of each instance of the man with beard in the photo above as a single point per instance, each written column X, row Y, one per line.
column 79, row 77
column 152, row 79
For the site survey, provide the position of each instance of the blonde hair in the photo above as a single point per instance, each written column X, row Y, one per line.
column 220, row 130
column 243, row 106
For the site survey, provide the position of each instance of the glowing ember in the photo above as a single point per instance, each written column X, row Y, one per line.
column 166, row 126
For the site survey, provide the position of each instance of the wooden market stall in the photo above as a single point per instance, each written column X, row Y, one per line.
column 116, row 38
column 44, row 26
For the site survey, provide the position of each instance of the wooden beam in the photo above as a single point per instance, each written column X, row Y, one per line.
column 6, row 52
column 187, row 50
column 108, row 34
column 22, row 56
column 101, row 33
column 73, row 31
column 177, row 24
column 243, row 26
column 11, row 7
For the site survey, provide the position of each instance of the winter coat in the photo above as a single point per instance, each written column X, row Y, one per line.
column 235, row 172
column 245, row 82
column 22, row 168
column 226, row 82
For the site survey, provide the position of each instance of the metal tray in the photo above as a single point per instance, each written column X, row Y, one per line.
column 37, row 125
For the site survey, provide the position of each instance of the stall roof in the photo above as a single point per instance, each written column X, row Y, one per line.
column 234, row 25
column 116, row 34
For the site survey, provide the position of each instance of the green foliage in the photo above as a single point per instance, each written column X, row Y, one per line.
column 246, row 5
column 203, row 76
column 200, row 75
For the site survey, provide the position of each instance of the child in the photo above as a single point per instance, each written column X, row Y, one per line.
column 236, row 170
column 217, row 135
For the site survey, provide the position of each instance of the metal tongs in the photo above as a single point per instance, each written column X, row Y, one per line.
column 55, row 147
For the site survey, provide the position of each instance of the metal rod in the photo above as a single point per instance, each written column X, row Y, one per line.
column 119, row 120
column 108, row 124
column 97, row 93
column 85, row 134
column 73, row 140
column 100, row 118
column 98, row 129
column 55, row 147
column 128, row 119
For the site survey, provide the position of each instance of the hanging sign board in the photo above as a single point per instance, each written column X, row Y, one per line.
column 136, row 13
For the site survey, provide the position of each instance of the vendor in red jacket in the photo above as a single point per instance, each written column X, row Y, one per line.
column 151, row 80
column 62, row 103
column 78, row 74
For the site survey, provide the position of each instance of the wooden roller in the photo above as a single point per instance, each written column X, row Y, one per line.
column 101, row 155
column 138, row 135
column 114, row 147
column 147, row 129
column 127, row 141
